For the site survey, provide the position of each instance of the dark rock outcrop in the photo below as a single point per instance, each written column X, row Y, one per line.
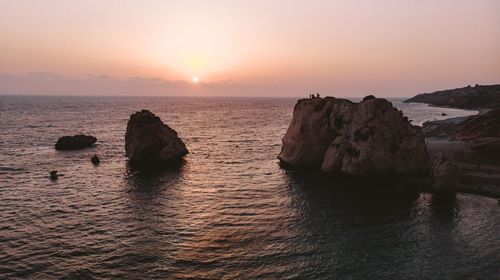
column 445, row 175
column 53, row 175
column 76, row 142
column 95, row 160
column 366, row 138
column 480, row 126
column 470, row 97
column 148, row 141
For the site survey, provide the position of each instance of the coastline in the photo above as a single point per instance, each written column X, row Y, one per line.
column 478, row 175
column 479, row 110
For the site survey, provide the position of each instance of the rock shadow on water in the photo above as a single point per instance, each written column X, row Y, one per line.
column 344, row 219
column 154, row 177
column 362, row 191
column 444, row 206
column 150, row 216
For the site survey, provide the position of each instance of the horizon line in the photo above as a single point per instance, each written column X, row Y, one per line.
column 193, row 96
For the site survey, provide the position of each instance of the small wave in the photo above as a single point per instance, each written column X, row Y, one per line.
column 81, row 273
column 38, row 126
column 241, row 141
column 7, row 169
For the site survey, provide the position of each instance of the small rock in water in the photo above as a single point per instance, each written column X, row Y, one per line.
column 53, row 175
column 444, row 114
column 95, row 160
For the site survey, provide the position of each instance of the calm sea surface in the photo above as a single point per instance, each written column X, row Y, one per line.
column 230, row 212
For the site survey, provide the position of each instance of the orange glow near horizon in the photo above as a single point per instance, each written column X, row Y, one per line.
column 391, row 48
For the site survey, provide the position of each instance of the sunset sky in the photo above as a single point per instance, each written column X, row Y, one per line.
column 247, row 48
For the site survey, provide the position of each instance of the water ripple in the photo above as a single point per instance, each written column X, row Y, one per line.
column 229, row 212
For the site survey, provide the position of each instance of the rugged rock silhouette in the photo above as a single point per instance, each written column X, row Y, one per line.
column 366, row 138
column 148, row 141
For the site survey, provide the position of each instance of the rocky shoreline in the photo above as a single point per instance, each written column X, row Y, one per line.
column 473, row 143
column 342, row 138
column 479, row 172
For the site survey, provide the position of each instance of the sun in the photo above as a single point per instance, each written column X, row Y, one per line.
column 196, row 79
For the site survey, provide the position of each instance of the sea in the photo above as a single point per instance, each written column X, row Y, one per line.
column 229, row 212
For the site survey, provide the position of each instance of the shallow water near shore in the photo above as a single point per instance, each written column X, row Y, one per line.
column 228, row 212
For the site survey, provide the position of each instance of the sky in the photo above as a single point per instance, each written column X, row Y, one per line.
column 247, row 48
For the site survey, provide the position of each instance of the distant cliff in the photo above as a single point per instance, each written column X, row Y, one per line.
column 469, row 97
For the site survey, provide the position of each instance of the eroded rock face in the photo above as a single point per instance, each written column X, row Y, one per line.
column 76, row 142
column 366, row 138
column 148, row 141
column 480, row 126
column 444, row 174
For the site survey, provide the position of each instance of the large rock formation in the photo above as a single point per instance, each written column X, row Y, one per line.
column 148, row 141
column 76, row 142
column 444, row 174
column 366, row 138
column 479, row 96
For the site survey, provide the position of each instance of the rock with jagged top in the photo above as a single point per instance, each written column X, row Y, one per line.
column 367, row 138
column 150, row 142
